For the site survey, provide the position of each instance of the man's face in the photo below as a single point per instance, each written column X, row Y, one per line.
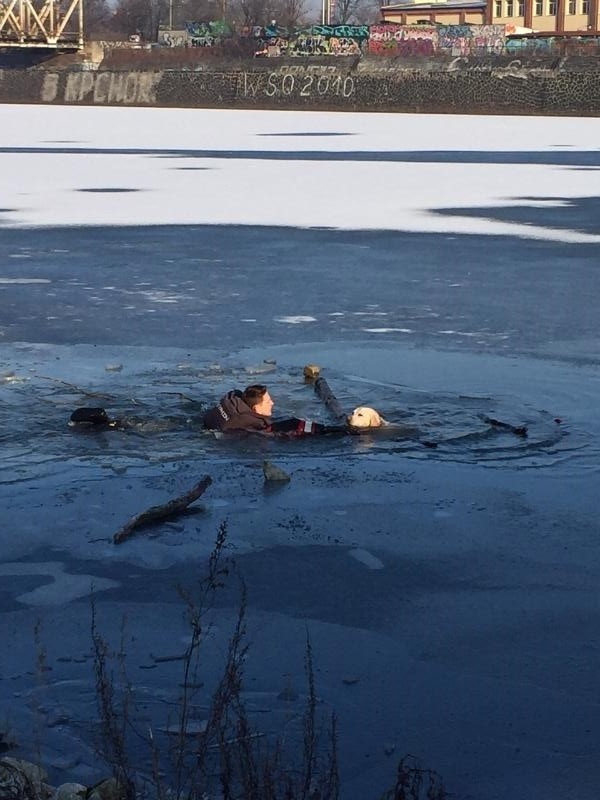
column 265, row 407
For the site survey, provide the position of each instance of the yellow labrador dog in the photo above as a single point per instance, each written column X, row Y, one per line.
column 365, row 417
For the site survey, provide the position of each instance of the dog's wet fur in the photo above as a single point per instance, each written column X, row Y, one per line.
column 365, row 417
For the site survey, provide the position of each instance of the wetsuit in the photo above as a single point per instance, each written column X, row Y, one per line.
column 233, row 414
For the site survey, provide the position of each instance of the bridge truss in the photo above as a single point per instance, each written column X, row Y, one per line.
column 49, row 24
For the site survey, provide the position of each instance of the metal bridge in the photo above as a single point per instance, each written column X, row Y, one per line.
column 47, row 24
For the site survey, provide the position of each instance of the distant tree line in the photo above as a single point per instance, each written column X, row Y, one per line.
column 124, row 18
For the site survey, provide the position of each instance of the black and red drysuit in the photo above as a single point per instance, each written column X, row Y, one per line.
column 232, row 413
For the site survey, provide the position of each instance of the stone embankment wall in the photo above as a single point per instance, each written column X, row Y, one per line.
column 436, row 85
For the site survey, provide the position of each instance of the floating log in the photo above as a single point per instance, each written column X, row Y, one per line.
column 331, row 402
column 311, row 372
column 158, row 513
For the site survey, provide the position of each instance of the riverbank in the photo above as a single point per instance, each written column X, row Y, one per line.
column 464, row 85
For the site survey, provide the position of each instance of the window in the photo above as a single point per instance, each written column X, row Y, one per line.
column 585, row 6
column 498, row 12
column 539, row 8
column 510, row 8
column 520, row 8
column 572, row 9
column 552, row 8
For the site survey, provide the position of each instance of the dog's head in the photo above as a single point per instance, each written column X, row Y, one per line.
column 365, row 417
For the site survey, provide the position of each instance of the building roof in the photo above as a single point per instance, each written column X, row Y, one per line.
column 408, row 6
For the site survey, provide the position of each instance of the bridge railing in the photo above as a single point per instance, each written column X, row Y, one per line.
column 52, row 24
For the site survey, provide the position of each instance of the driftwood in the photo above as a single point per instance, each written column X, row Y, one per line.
column 157, row 513
column 331, row 402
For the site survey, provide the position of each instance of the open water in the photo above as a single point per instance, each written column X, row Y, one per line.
column 149, row 322
column 436, row 331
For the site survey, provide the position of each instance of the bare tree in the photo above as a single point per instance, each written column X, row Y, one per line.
column 290, row 13
column 97, row 17
column 251, row 13
column 355, row 12
column 140, row 16
column 368, row 12
column 197, row 11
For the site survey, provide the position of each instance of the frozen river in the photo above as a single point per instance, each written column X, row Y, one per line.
column 152, row 260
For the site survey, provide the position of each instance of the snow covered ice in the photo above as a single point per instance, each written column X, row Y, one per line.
column 441, row 269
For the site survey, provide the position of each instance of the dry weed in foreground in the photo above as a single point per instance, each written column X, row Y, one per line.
column 415, row 783
column 227, row 759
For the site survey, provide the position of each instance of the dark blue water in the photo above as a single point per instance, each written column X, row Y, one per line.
column 487, row 542
column 154, row 324
column 222, row 287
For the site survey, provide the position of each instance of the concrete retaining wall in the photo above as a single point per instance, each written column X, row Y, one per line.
column 458, row 85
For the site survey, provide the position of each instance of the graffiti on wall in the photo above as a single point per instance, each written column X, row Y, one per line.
column 529, row 46
column 455, row 39
column 297, row 83
column 489, row 38
column 196, row 34
column 208, row 34
column 391, row 40
column 314, row 40
column 273, row 47
column 386, row 39
column 323, row 45
column 342, row 31
column 466, row 40
column 173, row 38
column 309, row 44
column 102, row 88
column 140, row 88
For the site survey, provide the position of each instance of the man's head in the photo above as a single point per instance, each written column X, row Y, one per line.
column 92, row 419
column 259, row 399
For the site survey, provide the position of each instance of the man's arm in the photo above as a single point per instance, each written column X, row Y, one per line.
column 306, row 427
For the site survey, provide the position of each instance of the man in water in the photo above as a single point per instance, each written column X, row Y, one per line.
column 248, row 411
column 251, row 410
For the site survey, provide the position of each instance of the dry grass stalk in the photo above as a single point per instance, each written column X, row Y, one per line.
column 227, row 759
